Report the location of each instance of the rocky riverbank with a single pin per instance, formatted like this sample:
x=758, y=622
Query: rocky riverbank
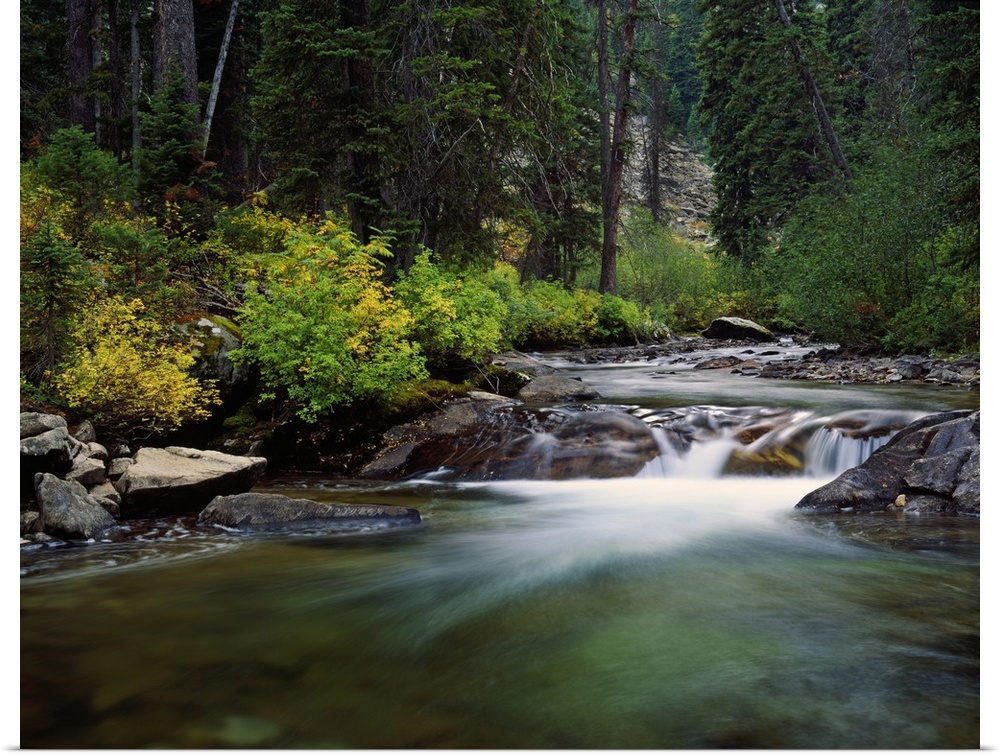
x=818, y=363
x=73, y=489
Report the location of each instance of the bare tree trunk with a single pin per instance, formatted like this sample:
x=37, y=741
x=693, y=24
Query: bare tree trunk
x=612, y=186
x=136, y=63
x=817, y=100
x=173, y=45
x=217, y=78
x=604, y=113
x=117, y=99
x=83, y=47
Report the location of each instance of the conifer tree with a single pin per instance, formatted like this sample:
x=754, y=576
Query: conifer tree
x=763, y=135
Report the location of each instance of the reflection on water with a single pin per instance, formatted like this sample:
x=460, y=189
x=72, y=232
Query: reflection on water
x=626, y=613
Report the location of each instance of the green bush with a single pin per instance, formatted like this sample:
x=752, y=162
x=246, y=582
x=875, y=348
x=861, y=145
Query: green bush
x=55, y=277
x=453, y=316
x=322, y=326
x=90, y=181
x=876, y=265
x=680, y=282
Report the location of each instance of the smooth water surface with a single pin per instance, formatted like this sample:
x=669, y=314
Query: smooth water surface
x=675, y=609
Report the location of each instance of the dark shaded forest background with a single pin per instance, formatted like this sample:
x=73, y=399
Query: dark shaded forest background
x=374, y=194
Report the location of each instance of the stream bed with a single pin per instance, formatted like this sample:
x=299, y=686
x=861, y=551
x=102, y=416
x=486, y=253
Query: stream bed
x=678, y=609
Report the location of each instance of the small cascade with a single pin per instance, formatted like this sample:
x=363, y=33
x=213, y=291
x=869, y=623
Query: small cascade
x=711, y=442
x=830, y=452
x=706, y=459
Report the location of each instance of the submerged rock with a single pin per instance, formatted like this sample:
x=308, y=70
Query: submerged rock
x=257, y=511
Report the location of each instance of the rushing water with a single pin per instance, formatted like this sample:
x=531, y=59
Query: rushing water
x=680, y=608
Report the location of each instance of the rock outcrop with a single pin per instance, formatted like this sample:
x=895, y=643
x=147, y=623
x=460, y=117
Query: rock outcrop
x=929, y=467
x=72, y=489
x=546, y=389
x=175, y=479
x=489, y=437
x=263, y=511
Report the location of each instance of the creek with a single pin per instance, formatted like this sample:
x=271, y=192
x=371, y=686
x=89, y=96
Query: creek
x=680, y=608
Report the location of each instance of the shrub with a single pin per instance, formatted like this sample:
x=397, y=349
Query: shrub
x=126, y=375
x=453, y=316
x=55, y=277
x=877, y=266
x=323, y=328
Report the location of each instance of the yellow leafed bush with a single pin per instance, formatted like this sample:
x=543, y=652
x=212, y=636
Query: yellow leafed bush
x=126, y=376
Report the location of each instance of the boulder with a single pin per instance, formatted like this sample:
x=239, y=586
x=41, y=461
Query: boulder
x=930, y=466
x=718, y=363
x=214, y=339
x=49, y=451
x=495, y=440
x=88, y=471
x=262, y=511
x=66, y=510
x=737, y=328
x=37, y=423
x=555, y=388
x=179, y=480
x=85, y=432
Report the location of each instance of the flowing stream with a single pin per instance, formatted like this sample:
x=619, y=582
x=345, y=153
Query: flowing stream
x=680, y=608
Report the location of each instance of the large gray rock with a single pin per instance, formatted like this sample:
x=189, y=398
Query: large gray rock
x=66, y=510
x=214, y=340
x=49, y=451
x=737, y=328
x=262, y=511
x=556, y=388
x=930, y=466
x=88, y=471
x=179, y=480
x=36, y=423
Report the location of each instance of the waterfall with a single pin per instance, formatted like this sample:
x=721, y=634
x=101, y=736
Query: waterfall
x=709, y=442
x=706, y=459
x=831, y=452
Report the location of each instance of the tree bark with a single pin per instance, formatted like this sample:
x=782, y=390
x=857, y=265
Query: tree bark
x=173, y=45
x=217, y=78
x=115, y=66
x=817, y=100
x=83, y=50
x=136, y=63
x=612, y=183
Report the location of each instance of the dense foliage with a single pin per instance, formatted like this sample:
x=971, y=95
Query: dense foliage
x=393, y=189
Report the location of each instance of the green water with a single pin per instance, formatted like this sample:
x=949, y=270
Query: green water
x=632, y=613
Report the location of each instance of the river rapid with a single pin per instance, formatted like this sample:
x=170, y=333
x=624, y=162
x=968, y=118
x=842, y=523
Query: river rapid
x=678, y=609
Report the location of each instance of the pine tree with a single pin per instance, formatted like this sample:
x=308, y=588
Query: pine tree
x=763, y=134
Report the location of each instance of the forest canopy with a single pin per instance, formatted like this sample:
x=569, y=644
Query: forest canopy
x=374, y=190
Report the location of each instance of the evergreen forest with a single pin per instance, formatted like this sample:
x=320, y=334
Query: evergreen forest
x=374, y=195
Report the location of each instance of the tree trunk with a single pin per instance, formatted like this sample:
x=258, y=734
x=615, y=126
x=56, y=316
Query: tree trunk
x=217, y=78
x=653, y=184
x=604, y=113
x=173, y=45
x=80, y=18
x=611, y=190
x=817, y=100
x=117, y=71
x=136, y=63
